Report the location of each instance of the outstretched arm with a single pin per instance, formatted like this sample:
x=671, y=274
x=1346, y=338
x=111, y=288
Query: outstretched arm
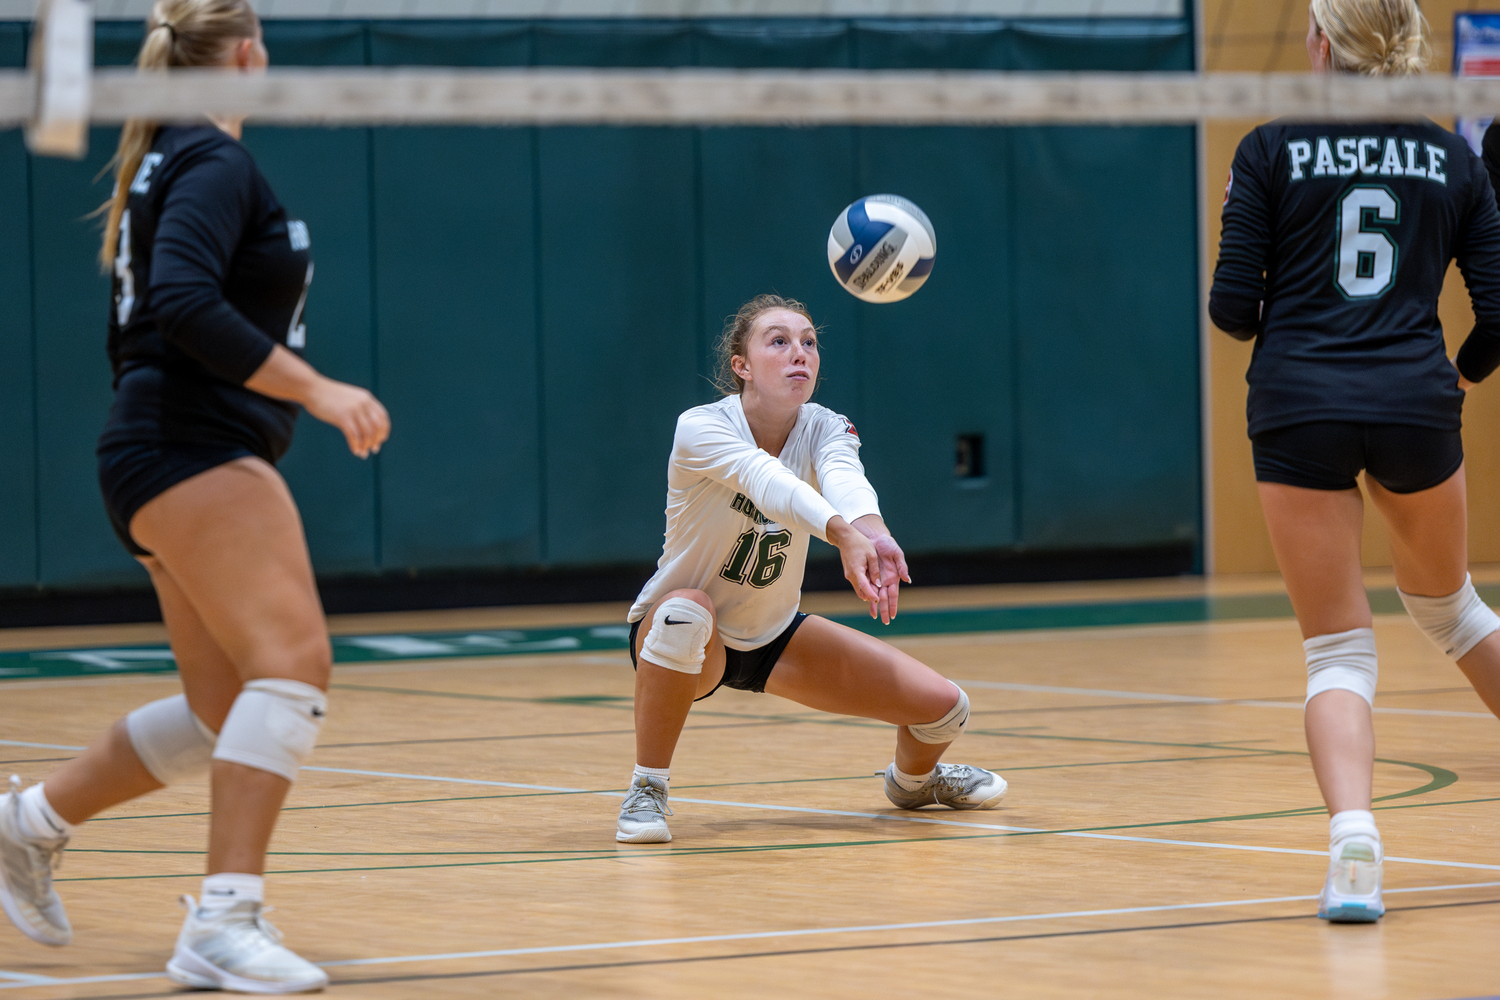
x=893, y=568
x=860, y=559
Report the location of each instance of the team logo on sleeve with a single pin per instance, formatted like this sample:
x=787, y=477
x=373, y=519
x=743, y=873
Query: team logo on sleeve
x=849, y=426
x=1230, y=186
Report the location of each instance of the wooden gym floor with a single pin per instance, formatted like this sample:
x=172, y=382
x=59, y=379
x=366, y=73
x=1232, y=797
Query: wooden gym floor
x=454, y=836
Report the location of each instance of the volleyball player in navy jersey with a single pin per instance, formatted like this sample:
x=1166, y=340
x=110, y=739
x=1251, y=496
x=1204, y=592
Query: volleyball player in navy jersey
x=1335, y=243
x=205, y=333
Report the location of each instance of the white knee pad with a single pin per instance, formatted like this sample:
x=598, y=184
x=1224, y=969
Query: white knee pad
x=1343, y=661
x=679, y=634
x=273, y=726
x=170, y=740
x=950, y=727
x=1457, y=622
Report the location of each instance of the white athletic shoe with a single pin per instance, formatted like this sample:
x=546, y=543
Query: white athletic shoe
x=26, y=868
x=1351, y=893
x=957, y=786
x=643, y=814
x=238, y=950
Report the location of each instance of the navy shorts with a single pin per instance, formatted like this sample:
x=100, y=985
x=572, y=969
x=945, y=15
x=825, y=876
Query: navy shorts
x=744, y=669
x=131, y=475
x=1329, y=454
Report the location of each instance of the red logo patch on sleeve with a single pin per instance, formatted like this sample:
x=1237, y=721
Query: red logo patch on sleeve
x=1230, y=186
x=850, y=427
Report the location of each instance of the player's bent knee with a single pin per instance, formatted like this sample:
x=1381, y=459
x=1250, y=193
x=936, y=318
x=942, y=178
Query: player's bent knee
x=1457, y=623
x=947, y=729
x=678, y=639
x=171, y=742
x=273, y=726
x=1342, y=661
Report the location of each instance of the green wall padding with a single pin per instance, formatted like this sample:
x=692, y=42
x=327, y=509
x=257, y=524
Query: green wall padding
x=620, y=332
x=536, y=306
x=456, y=281
x=940, y=363
x=322, y=176
x=17, y=427
x=1106, y=299
x=76, y=545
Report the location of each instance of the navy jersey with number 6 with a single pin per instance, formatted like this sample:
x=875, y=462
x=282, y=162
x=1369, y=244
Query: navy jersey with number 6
x=209, y=277
x=1336, y=240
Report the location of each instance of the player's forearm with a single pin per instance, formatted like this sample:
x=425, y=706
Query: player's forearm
x=872, y=526
x=283, y=375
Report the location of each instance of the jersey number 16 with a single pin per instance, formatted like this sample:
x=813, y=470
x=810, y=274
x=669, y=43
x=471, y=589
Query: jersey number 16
x=757, y=559
x=1366, y=253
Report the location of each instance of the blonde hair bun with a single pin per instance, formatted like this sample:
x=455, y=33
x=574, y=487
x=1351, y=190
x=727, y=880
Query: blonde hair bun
x=1374, y=37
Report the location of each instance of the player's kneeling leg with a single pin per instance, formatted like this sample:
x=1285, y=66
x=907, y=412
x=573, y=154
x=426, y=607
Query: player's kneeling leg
x=957, y=786
x=172, y=742
x=225, y=943
x=679, y=635
x=1457, y=623
x=678, y=640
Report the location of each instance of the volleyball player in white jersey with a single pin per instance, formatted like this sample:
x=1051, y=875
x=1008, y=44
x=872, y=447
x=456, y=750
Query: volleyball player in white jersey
x=751, y=479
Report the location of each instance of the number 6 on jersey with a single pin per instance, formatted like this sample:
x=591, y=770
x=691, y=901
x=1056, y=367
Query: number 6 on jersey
x=1367, y=254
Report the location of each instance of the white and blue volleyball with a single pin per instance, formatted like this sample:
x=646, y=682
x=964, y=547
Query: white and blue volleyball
x=881, y=248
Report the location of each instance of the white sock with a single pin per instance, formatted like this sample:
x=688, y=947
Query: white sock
x=908, y=782
x=223, y=890
x=664, y=773
x=39, y=820
x=1352, y=825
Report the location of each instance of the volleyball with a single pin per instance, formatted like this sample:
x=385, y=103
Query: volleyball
x=881, y=248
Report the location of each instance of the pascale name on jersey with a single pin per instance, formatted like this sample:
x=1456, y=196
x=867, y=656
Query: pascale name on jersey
x=1366, y=154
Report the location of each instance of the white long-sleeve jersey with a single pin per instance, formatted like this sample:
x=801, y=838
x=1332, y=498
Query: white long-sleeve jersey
x=738, y=520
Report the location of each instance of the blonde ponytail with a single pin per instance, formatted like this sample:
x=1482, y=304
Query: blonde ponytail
x=1374, y=37
x=178, y=33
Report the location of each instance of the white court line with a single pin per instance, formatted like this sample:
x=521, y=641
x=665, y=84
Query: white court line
x=761, y=935
x=929, y=820
x=25, y=979
x=1193, y=699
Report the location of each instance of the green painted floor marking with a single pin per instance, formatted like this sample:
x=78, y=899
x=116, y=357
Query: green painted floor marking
x=153, y=659
x=156, y=659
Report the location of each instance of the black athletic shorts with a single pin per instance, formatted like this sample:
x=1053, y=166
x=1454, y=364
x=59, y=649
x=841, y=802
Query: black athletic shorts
x=745, y=669
x=1329, y=454
x=130, y=475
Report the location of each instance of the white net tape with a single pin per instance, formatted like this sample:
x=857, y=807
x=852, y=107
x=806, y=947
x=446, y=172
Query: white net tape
x=756, y=97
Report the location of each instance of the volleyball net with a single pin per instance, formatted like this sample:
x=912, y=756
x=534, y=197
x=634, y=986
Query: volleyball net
x=61, y=93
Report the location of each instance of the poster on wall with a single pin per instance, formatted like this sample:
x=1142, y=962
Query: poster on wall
x=1476, y=52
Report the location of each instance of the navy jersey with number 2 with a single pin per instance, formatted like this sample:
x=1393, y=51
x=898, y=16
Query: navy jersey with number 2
x=1336, y=240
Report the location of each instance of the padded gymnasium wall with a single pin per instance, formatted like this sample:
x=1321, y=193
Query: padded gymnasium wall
x=536, y=306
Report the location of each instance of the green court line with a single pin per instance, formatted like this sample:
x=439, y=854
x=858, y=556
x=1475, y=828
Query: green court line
x=1441, y=778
